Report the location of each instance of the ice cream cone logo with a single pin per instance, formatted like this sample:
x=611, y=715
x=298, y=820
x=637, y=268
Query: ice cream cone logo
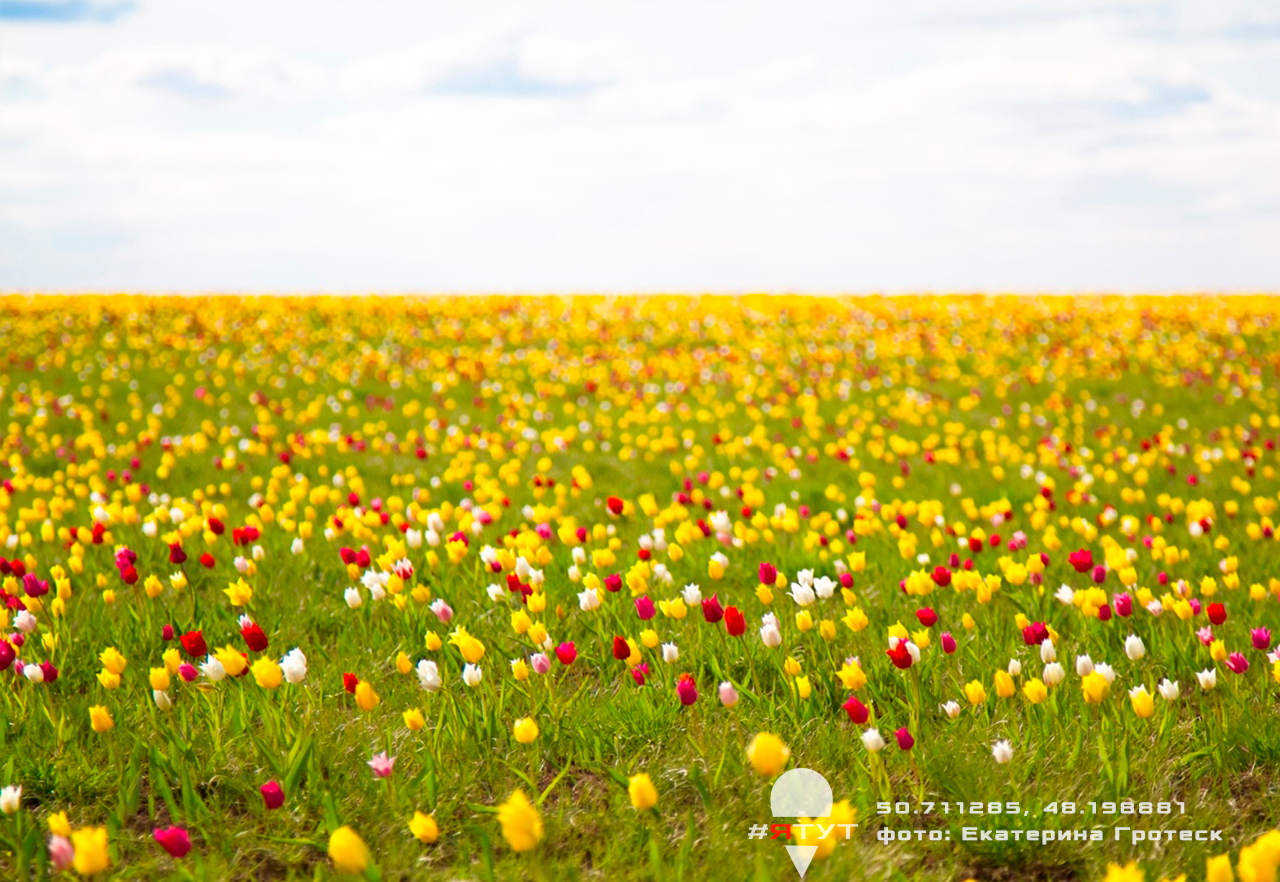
x=801, y=793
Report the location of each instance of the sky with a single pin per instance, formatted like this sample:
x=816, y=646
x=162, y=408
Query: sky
x=175, y=145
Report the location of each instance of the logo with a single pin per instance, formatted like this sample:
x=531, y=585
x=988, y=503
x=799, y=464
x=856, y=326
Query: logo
x=801, y=793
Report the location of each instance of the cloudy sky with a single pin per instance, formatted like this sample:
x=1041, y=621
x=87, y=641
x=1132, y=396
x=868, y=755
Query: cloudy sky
x=610, y=146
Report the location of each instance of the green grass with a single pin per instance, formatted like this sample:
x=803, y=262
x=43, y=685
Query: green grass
x=201, y=764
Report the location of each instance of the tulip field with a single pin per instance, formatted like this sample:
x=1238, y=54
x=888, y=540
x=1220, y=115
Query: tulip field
x=554, y=588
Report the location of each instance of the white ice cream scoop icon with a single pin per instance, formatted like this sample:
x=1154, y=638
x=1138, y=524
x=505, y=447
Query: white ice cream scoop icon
x=801, y=793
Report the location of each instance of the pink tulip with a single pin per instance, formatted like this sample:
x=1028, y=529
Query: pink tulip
x=382, y=765
x=686, y=690
x=567, y=653
x=272, y=795
x=905, y=741
x=173, y=840
x=187, y=672
x=540, y=662
x=644, y=607
x=1261, y=638
x=1237, y=662
x=948, y=642
x=61, y=852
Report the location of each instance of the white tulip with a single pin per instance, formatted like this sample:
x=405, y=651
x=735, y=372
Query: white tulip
x=872, y=741
x=1002, y=751
x=11, y=799
x=770, y=636
x=429, y=675
x=294, y=665
x=1134, y=647
x=213, y=669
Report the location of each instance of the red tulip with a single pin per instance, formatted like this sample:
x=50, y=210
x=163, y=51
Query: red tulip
x=253, y=636
x=711, y=610
x=1217, y=613
x=856, y=710
x=926, y=616
x=566, y=653
x=621, y=651
x=193, y=643
x=1081, y=560
x=734, y=622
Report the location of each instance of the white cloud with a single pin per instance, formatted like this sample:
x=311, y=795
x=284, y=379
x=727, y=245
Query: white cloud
x=657, y=146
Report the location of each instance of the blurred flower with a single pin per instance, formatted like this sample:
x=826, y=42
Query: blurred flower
x=348, y=852
x=642, y=792
x=272, y=795
x=424, y=828
x=382, y=765
x=173, y=840
x=768, y=754
x=521, y=823
x=525, y=730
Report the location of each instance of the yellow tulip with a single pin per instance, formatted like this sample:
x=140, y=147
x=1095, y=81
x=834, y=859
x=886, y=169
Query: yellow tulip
x=768, y=754
x=90, y=844
x=267, y=673
x=643, y=794
x=521, y=823
x=424, y=828
x=975, y=692
x=100, y=719
x=112, y=660
x=525, y=730
x=1095, y=688
x=366, y=698
x=348, y=852
x=1035, y=690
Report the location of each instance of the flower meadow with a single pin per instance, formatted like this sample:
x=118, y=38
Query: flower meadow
x=554, y=588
